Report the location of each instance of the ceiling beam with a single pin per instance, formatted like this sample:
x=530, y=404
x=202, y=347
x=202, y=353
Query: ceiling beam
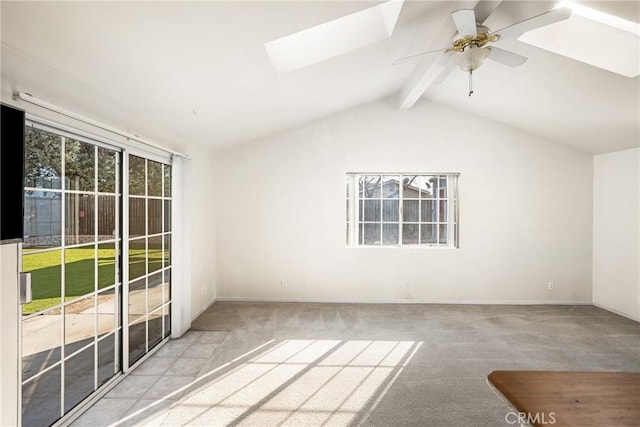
x=485, y=8
x=431, y=71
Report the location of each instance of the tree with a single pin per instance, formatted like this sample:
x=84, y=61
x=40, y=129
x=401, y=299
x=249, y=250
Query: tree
x=43, y=163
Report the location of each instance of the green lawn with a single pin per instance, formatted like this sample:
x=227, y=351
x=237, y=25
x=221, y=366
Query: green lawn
x=46, y=272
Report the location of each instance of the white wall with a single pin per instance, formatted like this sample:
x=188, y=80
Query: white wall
x=203, y=275
x=9, y=361
x=525, y=212
x=616, y=232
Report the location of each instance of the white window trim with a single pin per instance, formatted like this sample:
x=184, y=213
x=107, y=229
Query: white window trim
x=453, y=199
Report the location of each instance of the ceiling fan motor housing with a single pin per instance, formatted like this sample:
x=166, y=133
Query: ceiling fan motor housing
x=483, y=36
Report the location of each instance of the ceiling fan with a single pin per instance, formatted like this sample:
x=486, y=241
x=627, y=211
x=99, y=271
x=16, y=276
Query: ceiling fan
x=471, y=44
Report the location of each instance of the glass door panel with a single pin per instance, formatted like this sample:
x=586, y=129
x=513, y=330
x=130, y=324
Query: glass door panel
x=149, y=265
x=70, y=331
x=41, y=398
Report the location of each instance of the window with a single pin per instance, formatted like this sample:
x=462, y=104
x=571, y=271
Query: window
x=402, y=209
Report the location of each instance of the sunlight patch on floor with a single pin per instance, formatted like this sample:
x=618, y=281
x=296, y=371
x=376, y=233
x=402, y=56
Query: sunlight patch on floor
x=297, y=382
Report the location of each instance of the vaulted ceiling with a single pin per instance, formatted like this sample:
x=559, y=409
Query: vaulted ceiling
x=199, y=71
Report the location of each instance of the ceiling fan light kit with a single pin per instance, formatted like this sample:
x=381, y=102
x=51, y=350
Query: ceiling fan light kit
x=471, y=58
x=470, y=48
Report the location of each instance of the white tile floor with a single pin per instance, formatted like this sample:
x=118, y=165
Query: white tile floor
x=161, y=380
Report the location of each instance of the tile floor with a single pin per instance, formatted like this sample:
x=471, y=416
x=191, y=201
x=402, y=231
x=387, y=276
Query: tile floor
x=159, y=382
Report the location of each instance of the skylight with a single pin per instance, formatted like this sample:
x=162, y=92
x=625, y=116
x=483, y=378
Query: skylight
x=592, y=37
x=334, y=38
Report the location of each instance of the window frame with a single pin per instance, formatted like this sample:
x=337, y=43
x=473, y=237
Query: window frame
x=354, y=221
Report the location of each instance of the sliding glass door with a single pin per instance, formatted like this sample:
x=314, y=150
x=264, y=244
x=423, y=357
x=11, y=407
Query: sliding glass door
x=71, y=329
x=100, y=267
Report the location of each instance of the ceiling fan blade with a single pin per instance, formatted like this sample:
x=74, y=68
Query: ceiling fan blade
x=505, y=57
x=547, y=18
x=465, y=20
x=417, y=55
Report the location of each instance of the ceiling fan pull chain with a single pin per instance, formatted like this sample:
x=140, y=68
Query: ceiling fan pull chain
x=470, y=82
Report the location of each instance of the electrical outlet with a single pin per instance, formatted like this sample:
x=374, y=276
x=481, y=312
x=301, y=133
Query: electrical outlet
x=407, y=290
x=281, y=282
x=551, y=286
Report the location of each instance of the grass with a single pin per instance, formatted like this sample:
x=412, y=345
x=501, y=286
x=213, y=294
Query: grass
x=46, y=272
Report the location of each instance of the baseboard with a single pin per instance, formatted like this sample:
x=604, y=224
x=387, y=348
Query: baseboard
x=618, y=312
x=203, y=309
x=402, y=301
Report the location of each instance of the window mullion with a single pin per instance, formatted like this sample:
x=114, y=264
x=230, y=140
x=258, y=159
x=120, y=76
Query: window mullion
x=437, y=200
x=381, y=210
x=420, y=196
x=400, y=203
x=452, y=196
x=124, y=265
x=354, y=208
x=63, y=267
x=95, y=266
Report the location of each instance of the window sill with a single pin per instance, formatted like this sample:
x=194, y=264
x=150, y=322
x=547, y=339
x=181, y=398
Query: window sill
x=419, y=247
